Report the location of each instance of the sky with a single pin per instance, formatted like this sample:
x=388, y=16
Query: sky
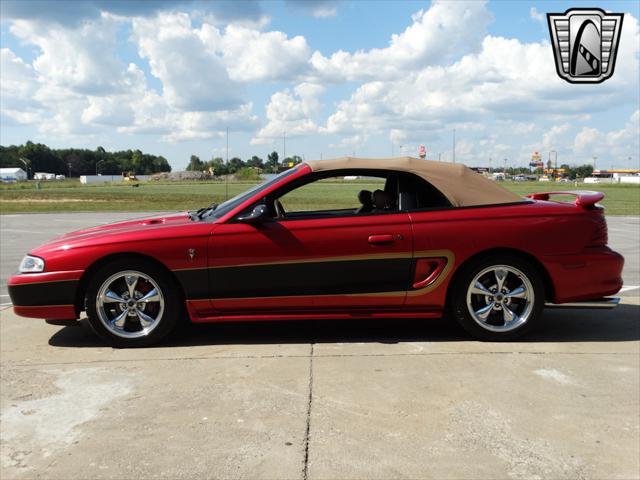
x=321, y=78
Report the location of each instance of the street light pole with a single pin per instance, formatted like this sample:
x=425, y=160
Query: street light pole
x=454, y=145
x=504, y=170
x=594, y=162
x=555, y=164
x=226, y=177
x=98, y=163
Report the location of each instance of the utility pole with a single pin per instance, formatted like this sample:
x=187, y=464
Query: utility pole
x=489, y=165
x=454, y=145
x=594, y=162
x=284, y=146
x=504, y=170
x=98, y=163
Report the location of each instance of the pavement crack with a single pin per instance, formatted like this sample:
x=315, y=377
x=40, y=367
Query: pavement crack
x=307, y=431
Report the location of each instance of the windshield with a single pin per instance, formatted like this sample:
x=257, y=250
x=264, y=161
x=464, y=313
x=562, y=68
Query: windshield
x=228, y=205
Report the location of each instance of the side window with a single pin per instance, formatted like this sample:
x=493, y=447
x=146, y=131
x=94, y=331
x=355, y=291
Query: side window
x=347, y=193
x=417, y=194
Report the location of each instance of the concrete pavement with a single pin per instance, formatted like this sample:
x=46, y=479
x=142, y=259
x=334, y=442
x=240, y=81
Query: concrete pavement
x=384, y=399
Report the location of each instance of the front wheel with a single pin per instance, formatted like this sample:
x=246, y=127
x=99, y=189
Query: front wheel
x=499, y=298
x=132, y=303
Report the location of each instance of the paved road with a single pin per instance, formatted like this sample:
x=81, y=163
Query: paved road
x=20, y=233
x=307, y=400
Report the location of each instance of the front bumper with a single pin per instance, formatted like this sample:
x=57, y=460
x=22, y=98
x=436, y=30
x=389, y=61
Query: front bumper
x=48, y=295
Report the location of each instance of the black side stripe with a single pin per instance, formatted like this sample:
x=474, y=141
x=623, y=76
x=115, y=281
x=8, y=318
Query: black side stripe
x=44, y=294
x=297, y=279
x=195, y=283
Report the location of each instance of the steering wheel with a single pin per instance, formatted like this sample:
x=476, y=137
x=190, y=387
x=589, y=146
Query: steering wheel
x=280, y=213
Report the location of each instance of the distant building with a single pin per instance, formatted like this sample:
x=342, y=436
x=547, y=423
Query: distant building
x=13, y=174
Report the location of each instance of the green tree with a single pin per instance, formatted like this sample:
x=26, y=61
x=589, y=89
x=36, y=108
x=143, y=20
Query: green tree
x=195, y=164
x=255, y=162
x=235, y=164
x=83, y=161
x=291, y=161
x=583, y=171
x=272, y=161
x=217, y=166
x=136, y=162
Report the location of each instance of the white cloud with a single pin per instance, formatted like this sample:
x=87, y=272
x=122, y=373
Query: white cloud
x=619, y=144
x=183, y=58
x=251, y=55
x=551, y=138
x=19, y=81
x=324, y=11
x=315, y=8
x=537, y=16
x=291, y=112
x=80, y=59
x=506, y=81
x=439, y=34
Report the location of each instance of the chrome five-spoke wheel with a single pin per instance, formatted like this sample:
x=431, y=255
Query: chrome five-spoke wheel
x=130, y=304
x=497, y=297
x=500, y=298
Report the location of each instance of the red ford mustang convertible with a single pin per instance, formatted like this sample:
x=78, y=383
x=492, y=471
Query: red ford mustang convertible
x=421, y=239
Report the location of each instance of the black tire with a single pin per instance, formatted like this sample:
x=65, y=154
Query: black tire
x=459, y=290
x=169, y=317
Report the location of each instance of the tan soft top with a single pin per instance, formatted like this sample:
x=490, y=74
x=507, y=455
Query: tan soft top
x=461, y=185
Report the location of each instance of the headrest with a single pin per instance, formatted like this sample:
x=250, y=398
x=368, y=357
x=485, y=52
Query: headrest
x=382, y=199
x=365, y=197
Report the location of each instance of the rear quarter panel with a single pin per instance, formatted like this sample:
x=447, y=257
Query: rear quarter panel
x=540, y=229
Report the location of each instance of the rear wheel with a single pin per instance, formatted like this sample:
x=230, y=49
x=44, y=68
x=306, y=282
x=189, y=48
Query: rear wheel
x=498, y=298
x=132, y=303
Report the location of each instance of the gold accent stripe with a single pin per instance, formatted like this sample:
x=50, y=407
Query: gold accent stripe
x=42, y=306
x=373, y=256
x=40, y=283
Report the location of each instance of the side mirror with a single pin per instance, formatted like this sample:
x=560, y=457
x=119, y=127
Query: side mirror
x=257, y=215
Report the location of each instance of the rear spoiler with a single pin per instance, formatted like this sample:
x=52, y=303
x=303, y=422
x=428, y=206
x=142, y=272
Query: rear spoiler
x=584, y=199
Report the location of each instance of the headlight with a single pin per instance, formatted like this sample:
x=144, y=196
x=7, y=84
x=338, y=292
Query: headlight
x=31, y=264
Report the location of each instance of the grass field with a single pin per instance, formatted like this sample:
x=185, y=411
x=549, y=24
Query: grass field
x=70, y=195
